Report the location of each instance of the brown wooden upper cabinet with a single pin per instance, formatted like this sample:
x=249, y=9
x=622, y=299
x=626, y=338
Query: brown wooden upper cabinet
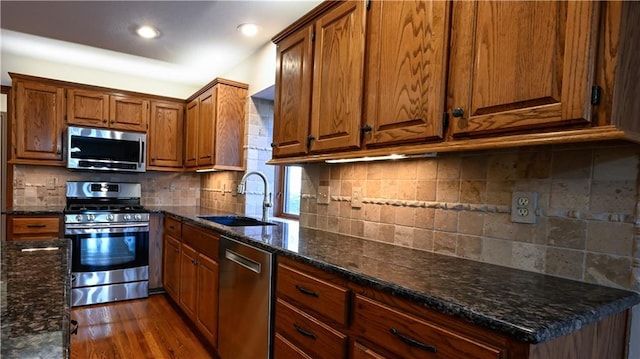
x=214, y=129
x=165, y=135
x=319, y=83
x=523, y=64
x=100, y=109
x=37, y=122
x=405, y=71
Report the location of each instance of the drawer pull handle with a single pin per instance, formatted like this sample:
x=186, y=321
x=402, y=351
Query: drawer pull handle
x=306, y=291
x=305, y=332
x=413, y=342
x=36, y=225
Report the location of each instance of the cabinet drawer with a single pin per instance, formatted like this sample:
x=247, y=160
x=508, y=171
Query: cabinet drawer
x=309, y=334
x=284, y=349
x=313, y=295
x=204, y=241
x=413, y=337
x=34, y=225
x=173, y=226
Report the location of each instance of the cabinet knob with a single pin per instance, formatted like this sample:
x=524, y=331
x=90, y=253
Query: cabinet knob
x=113, y=121
x=153, y=159
x=104, y=120
x=458, y=112
x=366, y=128
x=274, y=145
x=310, y=139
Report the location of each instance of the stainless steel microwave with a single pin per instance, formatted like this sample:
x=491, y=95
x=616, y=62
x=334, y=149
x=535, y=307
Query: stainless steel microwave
x=105, y=150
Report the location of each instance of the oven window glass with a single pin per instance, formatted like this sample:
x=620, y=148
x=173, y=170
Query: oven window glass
x=93, y=148
x=109, y=251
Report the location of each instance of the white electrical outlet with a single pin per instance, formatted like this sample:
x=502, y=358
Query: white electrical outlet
x=523, y=207
x=323, y=195
x=356, y=197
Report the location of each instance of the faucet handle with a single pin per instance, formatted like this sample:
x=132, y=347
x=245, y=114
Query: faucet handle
x=240, y=189
x=268, y=203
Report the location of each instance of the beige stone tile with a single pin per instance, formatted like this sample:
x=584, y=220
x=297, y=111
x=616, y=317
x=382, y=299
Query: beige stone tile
x=449, y=167
x=371, y=230
x=613, y=196
x=423, y=239
x=498, y=225
x=616, y=164
x=333, y=224
x=448, y=191
x=389, y=188
x=531, y=233
x=528, y=256
x=470, y=222
x=474, y=168
x=390, y=171
x=372, y=189
x=403, y=236
x=570, y=194
x=566, y=233
x=333, y=209
x=427, y=169
x=499, y=192
x=426, y=190
x=386, y=233
x=424, y=218
x=347, y=171
x=345, y=209
x=572, y=164
x=473, y=191
x=357, y=228
x=346, y=187
x=534, y=164
x=374, y=171
x=541, y=186
x=344, y=225
x=613, y=271
x=502, y=167
x=497, y=251
x=566, y=263
x=322, y=222
x=335, y=172
x=469, y=246
x=388, y=214
x=406, y=190
x=445, y=220
x=610, y=238
x=405, y=216
x=372, y=212
x=444, y=242
x=407, y=169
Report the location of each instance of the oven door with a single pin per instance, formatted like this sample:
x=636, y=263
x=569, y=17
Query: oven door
x=118, y=246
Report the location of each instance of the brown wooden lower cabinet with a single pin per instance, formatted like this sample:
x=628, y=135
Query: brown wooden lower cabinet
x=20, y=228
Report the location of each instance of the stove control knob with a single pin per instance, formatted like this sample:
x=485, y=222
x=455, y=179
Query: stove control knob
x=127, y=217
x=91, y=217
x=79, y=218
x=138, y=217
x=109, y=217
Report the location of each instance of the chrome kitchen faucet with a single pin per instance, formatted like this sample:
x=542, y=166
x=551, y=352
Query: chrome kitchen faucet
x=266, y=203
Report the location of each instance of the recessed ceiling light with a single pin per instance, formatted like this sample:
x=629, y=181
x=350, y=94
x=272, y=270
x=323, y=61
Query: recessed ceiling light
x=248, y=29
x=147, y=32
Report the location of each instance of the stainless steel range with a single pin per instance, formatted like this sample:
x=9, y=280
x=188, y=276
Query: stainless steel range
x=109, y=230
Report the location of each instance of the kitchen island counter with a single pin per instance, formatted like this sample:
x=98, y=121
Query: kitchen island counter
x=526, y=306
x=35, y=298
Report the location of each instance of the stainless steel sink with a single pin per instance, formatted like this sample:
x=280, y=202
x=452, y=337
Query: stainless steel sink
x=236, y=221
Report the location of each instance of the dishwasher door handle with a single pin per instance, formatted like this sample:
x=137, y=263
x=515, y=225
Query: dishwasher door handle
x=243, y=261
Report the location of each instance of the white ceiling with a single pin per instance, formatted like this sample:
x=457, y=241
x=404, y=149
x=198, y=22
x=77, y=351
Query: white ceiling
x=198, y=40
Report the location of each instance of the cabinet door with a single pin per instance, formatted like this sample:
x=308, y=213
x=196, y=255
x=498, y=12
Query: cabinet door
x=229, y=127
x=338, y=78
x=406, y=70
x=87, y=108
x=191, y=134
x=128, y=113
x=171, y=267
x=165, y=134
x=207, y=317
x=521, y=65
x=205, y=128
x=39, y=121
x=292, y=107
x=188, y=280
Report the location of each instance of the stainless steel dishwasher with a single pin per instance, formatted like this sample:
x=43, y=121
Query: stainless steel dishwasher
x=245, y=301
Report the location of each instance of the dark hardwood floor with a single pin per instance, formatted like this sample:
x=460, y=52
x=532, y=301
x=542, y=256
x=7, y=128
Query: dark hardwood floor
x=143, y=328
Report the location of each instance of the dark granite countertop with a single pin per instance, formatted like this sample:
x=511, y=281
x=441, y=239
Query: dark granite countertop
x=34, y=210
x=526, y=306
x=35, y=291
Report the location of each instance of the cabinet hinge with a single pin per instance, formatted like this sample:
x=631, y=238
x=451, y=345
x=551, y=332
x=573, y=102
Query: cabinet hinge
x=445, y=122
x=596, y=93
x=313, y=35
x=368, y=4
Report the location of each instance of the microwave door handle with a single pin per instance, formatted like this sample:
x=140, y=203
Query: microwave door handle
x=140, y=152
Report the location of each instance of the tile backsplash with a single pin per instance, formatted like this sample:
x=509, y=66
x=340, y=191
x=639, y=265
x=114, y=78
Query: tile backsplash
x=459, y=204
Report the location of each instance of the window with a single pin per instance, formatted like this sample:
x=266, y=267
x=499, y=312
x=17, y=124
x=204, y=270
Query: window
x=288, y=195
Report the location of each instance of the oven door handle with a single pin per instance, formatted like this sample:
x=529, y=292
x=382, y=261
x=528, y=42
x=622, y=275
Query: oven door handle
x=107, y=225
x=112, y=228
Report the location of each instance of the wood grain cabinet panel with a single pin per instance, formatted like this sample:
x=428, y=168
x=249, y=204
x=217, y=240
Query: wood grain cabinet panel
x=207, y=301
x=413, y=337
x=191, y=134
x=165, y=135
x=521, y=65
x=171, y=267
x=33, y=227
x=405, y=71
x=188, y=281
x=38, y=122
x=102, y=109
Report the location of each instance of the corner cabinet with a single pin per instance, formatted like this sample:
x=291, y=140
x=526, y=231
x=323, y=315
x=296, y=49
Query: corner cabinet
x=520, y=65
x=37, y=124
x=319, y=83
x=101, y=109
x=165, y=135
x=214, y=129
